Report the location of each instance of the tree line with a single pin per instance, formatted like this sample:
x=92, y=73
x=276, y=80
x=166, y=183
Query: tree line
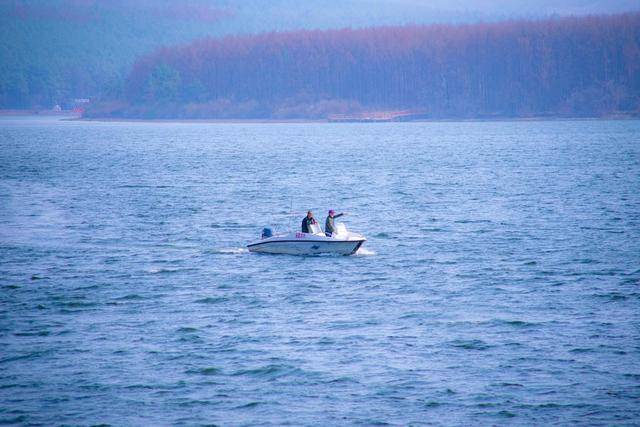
x=52, y=51
x=576, y=66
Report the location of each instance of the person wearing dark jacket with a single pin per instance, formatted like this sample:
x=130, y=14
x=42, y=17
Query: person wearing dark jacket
x=329, y=228
x=307, y=221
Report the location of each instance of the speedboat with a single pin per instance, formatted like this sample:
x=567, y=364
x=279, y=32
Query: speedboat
x=342, y=242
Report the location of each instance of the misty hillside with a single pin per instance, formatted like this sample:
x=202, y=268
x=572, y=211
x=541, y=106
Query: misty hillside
x=564, y=67
x=52, y=51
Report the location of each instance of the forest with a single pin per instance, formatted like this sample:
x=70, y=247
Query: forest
x=52, y=51
x=574, y=67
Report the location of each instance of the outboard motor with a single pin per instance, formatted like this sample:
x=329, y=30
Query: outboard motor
x=266, y=232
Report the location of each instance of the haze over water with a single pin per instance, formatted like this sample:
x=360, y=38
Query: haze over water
x=499, y=283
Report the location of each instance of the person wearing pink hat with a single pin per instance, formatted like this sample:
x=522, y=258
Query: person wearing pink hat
x=329, y=228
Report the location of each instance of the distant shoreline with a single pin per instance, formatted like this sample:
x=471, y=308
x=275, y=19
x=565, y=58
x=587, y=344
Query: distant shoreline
x=221, y=121
x=71, y=116
x=36, y=113
x=324, y=121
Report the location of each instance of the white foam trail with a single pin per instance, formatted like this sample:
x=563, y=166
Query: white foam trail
x=364, y=252
x=233, y=251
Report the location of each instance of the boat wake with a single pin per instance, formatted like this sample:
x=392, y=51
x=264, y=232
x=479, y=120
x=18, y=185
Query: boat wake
x=364, y=252
x=230, y=251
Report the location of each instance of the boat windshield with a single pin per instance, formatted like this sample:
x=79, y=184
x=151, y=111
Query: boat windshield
x=315, y=229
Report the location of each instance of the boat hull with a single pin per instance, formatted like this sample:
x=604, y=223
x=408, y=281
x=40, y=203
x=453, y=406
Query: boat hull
x=307, y=247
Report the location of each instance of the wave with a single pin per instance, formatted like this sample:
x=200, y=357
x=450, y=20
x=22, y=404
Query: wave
x=205, y=371
x=160, y=270
x=473, y=344
x=212, y=300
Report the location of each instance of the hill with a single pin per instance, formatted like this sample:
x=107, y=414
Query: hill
x=52, y=51
x=587, y=66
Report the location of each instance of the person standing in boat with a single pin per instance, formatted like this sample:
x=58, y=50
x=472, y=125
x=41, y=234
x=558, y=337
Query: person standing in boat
x=307, y=221
x=329, y=227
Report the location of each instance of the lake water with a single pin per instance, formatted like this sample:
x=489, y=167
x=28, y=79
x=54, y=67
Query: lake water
x=500, y=283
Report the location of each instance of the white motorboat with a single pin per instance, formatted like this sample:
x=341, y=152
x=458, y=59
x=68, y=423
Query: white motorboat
x=342, y=242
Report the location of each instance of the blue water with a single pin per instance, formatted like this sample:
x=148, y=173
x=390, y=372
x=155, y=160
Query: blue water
x=500, y=284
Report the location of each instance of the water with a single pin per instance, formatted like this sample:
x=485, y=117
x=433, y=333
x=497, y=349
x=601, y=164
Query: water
x=500, y=283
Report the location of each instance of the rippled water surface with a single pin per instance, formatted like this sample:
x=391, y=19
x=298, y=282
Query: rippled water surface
x=500, y=284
